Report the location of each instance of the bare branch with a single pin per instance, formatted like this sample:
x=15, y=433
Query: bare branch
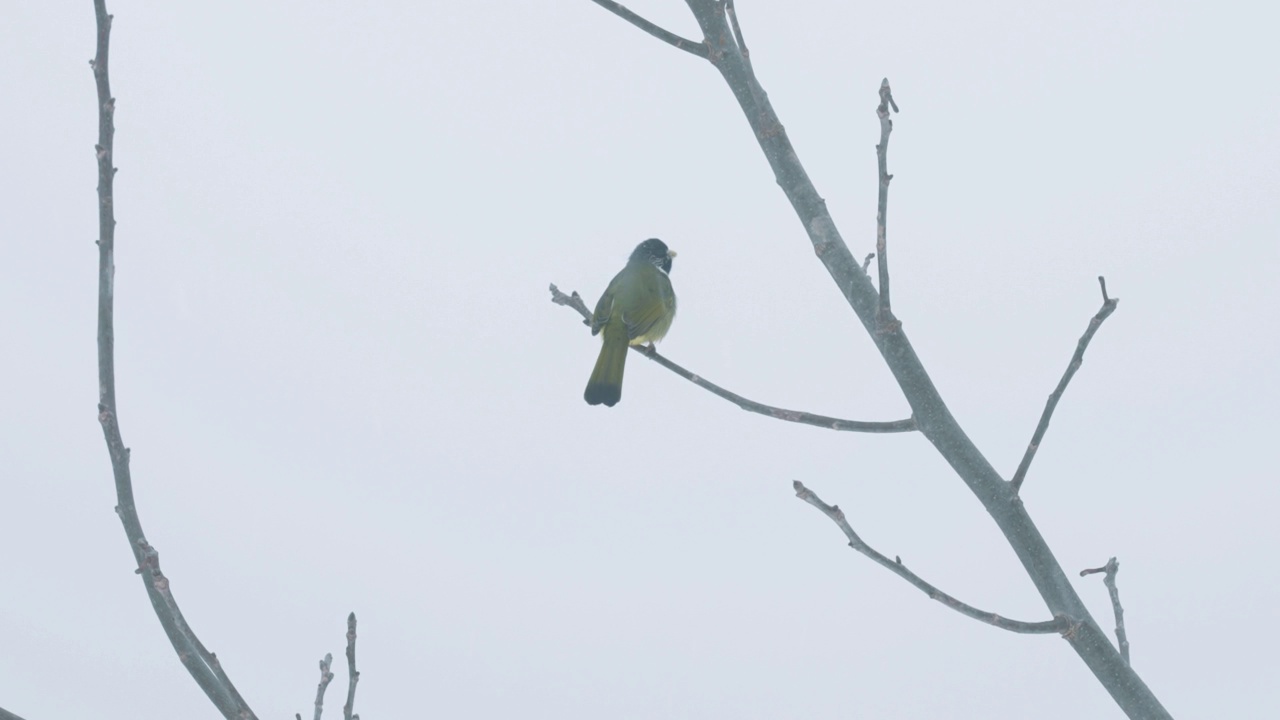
x=325, y=676
x=6, y=715
x=884, y=313
x=353, y=676
x=574, y=301
x=1108, y=307
x=866, y=261
x=186, y=643
x=202, y=664
x=689, y=46
x=732, y=13
x=896, y=426
x=1109, y=579
x=932, y=416
x=1057, y=625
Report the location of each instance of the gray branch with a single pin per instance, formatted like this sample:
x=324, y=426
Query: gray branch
x=732, y=13
x=575, y=301
x=884, y=313
x=353, y=676
x=1108, y=307
x=689, y=46
x=202, y=664
x=1109, y=579
x=931, y=414
x=326, y=675
x=1058, y=625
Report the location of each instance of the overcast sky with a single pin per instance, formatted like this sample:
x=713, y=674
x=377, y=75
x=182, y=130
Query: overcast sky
x=345, y=388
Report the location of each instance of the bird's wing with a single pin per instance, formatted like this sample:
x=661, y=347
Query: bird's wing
x=657, y=307
x=604, y=308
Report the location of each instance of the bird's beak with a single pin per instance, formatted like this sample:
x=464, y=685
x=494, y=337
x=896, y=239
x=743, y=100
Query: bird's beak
x=671, y=253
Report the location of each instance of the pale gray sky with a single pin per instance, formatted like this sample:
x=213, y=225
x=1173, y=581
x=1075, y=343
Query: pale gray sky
x=345, y=388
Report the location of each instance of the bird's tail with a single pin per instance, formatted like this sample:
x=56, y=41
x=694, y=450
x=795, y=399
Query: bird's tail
x=605, y=385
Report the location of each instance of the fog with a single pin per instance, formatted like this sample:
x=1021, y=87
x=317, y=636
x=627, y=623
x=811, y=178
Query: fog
x=345, y=387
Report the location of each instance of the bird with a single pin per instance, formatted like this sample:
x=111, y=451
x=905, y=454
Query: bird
x=636, y=308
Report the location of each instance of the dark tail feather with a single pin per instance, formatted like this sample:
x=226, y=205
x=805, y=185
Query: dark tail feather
x=605, y=385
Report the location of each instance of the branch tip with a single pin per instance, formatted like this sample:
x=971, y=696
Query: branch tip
x=732, y=14
x=1077, y=359
x=886, y=95
x=353, y=675
x=1109, y=579
x=884, y=312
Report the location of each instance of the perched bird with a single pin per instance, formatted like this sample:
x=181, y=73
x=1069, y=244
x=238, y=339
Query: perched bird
x=636, y=308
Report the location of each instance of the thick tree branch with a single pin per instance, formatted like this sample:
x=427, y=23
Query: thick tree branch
x=1108, y=307
x=1109, y=579
x=884, y=312
x=930, y=412
x=1058, y=625
x=689, y=46
x=202, y=664
x=895, y=426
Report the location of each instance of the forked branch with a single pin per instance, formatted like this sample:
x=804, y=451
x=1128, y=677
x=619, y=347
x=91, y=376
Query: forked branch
x=932, y=416
x=326, y=676
x=1108, y=307
x=732, y=13
x=666, y=36
x=1109, y=579
x=1057, y=625
x=575, y=301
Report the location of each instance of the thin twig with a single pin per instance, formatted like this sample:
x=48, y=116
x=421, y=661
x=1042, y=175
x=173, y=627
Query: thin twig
x=1108, y=307
x=732, y=13
x=6, y=715
x=1057, y=625
x=885, y=313
x=326, y=675
x=866, y=262
x=202, y=664
x=353, y=676
x=1109, y=579
x=896, y=426
x=689, y=46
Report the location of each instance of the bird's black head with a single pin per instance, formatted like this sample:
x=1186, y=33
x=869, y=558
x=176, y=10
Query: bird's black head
x=653, y=251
